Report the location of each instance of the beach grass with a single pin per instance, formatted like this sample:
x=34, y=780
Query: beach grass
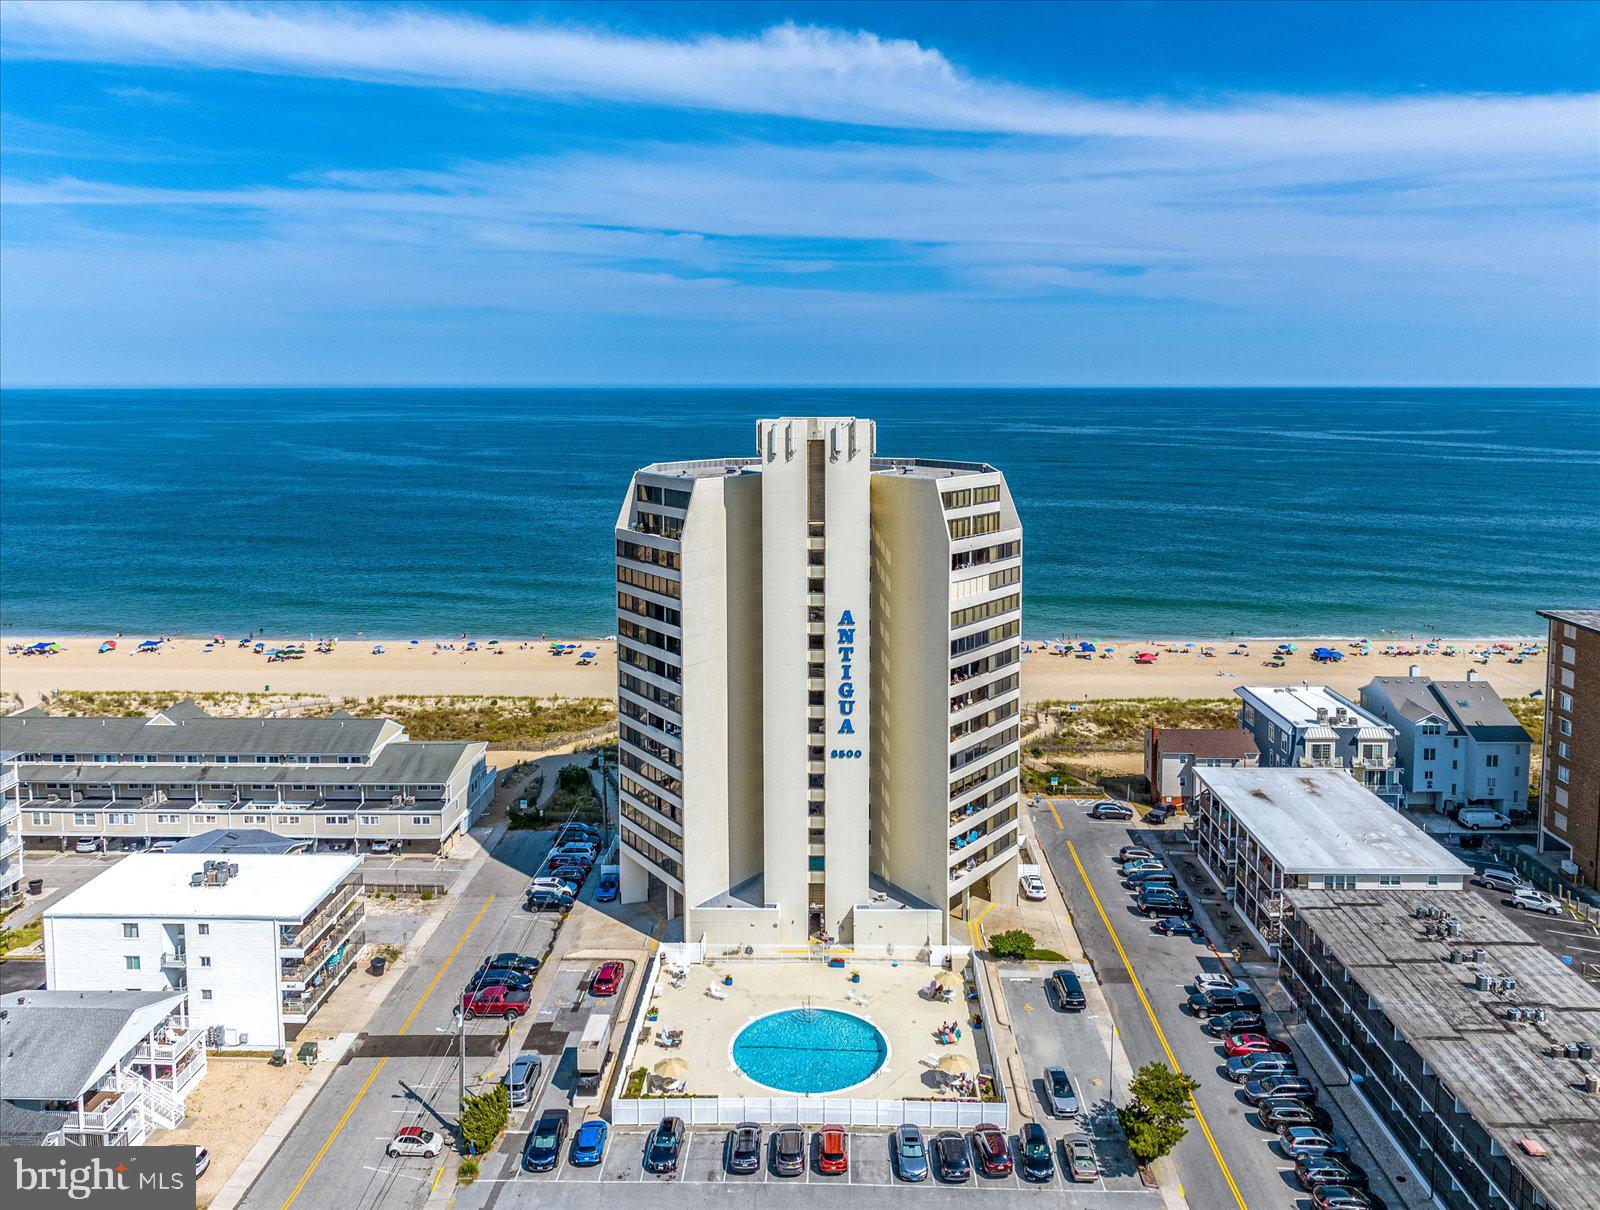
x=1118, y=724
x=504, y=722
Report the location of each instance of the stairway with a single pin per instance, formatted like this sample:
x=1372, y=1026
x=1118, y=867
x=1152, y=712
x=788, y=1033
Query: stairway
x=161, y=1106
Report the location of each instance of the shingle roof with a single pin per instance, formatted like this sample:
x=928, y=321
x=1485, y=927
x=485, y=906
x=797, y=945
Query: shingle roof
x=1222, y=743
x=1473, y=707
x=239, y=840
x=194, y=733
x=58, y=1043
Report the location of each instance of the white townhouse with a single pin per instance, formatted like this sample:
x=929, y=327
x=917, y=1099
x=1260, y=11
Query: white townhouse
x=256, y=941
x=1459, y=746
x=95, y=1068
x=341, y=781
x=818, y=689
x=1314, y=727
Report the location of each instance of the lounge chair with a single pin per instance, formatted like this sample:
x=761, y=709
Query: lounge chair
x=716, y=993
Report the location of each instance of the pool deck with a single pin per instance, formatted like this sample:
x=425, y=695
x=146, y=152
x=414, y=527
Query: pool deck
x=894, y=1004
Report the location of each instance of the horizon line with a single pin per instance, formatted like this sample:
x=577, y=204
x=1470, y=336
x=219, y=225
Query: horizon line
x=807, y=386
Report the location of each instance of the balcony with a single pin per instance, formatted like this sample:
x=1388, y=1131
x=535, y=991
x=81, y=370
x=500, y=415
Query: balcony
x=10, y=809
x=1320, y=762
x=175, y=961
x=297, y=975
x=1372, y=762
x=293, y=943
x=299, y=1006
x=105, y=1109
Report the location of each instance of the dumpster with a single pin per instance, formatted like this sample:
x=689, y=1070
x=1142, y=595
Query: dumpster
x=378, y=964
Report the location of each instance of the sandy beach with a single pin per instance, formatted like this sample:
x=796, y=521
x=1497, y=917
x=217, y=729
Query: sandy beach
x=529, y=669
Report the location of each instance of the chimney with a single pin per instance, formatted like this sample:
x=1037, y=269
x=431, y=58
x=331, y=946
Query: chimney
x=1472, y=675
x=1415, y=670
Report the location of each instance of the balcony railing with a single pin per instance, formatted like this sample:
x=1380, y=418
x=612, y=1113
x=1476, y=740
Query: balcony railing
x=174, y=961
x=314, y=925
x=304, y=1004
x=104, y=1109
x=299, y=972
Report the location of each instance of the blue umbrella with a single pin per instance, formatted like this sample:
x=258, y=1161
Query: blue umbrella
x=587, y=655
x=1085, y=646
x=149, y=643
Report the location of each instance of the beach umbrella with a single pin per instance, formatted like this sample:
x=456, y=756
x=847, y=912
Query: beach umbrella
x=587, y=655
x=1085, y=646
x=957, y=1065
x=671, y=1069
x=149, y=643
x=414, y=642
x=951, y=981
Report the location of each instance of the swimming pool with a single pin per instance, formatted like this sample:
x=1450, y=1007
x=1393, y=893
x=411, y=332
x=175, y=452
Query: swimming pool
x=809, y=1050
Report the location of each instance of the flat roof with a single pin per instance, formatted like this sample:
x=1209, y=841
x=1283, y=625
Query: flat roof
x=1297, y=705
x=1499, y=1070
x=1589, y=619
x=1315, y=821
x=268, y=886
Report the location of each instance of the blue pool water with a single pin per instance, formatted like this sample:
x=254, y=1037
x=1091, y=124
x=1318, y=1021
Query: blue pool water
x=809, y=1050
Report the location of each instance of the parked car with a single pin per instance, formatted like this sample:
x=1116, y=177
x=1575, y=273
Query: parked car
x=1033, y=1146
x=1178, y=926
x=1498, y=879
x=1032, y=887
x=1159, y=814
x=1307, y=1140
x=743, y=1149
x=1314, y=1171
x=86, y=844
x=1142, y=863
x=950, y=1157
x=993, y=1152
x=1237, y=1022
x=1343, y=1197
x=575, y=874
x=1276, y=1112
x=498, y=978
x=574, y=850
x=384, y=846
x=1530, y=900
x=789, y=1152
x=1106, y=809
x=1082, y=1162
x=589, y=1144
x=163, y=846
x=414, y=1140
x=495, y=1001
x=202, y=1161
x=909, y=1155
x=607, y=978
x=1300, y=1089
x=665, y=1145
x=544, y=900
x=1211, y=1004
x=1151, y=878
x=543, y=1150
x=562, y=886
x=1069, y=991
x=1134, y=852
x=521, y=1078
x=608, y=888
x=1253, y=1044
x=833, y=1151
x=1062, y=1096
x=527, y=964
x=1165, y=906
x=1212, y=982
x=1476, y=818
x=1244, y=1068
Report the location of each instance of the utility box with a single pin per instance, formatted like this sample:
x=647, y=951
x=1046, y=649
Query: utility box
x=592, y=1051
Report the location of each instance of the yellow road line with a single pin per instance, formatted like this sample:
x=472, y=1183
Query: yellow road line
x=1172, y=1059
x=972, y=926
x=1054, y=813
x=362, y=1092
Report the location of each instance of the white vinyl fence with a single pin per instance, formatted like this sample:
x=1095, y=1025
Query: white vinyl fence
x=846, y=1111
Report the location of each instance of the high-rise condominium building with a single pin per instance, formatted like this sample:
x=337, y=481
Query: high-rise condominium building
x=1570, y=786
x=818, y=688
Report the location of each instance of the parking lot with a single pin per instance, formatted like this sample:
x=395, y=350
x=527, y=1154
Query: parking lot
x=1573, y=941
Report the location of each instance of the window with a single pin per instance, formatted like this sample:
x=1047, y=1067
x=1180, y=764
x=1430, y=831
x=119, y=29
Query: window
x=647, y=493
x=1338, y=882
x=370, y=821
x=338, y=819
x=1491, y=762
x=968, y=496
x=1430, y=754
x=205, y=960
x=205, y=930
x=205, y=993
x=1388, y=880
x=1433, y=880
x=989, y=609
x=973, y=526
x=130, y=930
x=131, y=962
x=83, y=819
x=39, y=818
x=816, y=862
x=420, y=821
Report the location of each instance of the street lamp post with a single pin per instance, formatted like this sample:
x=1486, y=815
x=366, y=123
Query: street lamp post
x=460, y=1020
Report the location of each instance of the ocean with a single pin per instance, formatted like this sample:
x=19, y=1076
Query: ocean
x=1151, y=512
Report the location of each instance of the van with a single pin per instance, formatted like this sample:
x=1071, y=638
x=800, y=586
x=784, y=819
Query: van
x=1069, y=991
x=521, y=1079
x=1473, y=818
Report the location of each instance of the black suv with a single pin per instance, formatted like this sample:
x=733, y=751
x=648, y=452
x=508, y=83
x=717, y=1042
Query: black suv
x=666, y=1144
x=544, y=1143
x=1211, y=1004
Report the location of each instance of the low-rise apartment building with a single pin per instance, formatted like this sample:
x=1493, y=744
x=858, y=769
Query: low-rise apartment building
x=341, y=781
x=1569, y=809
x=1263, y=832
x=1458, y=746
x=1473, y=1043
x=1314, y=727
x=96, y=1068
x=257, y=942
x=1171, y=753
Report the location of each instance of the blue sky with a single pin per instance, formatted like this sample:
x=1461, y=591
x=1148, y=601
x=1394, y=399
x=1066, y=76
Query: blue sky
x=1142, y=193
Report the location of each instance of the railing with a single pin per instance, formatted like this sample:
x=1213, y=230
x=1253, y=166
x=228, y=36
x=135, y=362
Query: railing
x=298, y=972
x=175, y=961
x=305, y=1005
x=116, y=1105
x=299, y=938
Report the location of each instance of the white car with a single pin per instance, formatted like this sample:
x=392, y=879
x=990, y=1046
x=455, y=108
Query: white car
x=202, y=1161
x=86, y=844
x=1032, y=887
x=1530, y=900
x=414, y=1140
x=1218, y=983
x=383, y=846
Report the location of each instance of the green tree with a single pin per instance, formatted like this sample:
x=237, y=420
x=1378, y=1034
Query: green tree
x=483, y=1117
x=1014, y=943
x=1159, y=1103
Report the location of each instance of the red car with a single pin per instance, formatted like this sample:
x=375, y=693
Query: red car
x=607, y=978
x=1253, y=1044
x=833, y=1150
x=989, y=1145
x=495, y=1001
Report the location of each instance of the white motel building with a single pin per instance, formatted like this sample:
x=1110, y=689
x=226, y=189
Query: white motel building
x=818, y=689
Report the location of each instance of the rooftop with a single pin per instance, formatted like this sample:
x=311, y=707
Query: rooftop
x=1500, y=1071
x=1223, y=743
x=1307, y=707
x=1588, y=619
x=239, y=840
x=1323, y=821
x=930, y=468
x=1472, y=706
x=102, y=1027
x=186, y=730
x=267, y=887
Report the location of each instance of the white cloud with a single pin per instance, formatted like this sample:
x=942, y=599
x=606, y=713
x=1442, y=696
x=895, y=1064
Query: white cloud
x=821, y=74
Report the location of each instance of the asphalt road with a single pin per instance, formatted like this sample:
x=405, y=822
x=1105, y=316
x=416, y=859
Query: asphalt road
x=1224, y=1162
x=335, y=1157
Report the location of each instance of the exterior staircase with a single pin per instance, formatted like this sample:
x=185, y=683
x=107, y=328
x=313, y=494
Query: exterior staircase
x=161, y=1107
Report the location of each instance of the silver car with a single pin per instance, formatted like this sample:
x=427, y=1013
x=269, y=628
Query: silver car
x=1062, y=1096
